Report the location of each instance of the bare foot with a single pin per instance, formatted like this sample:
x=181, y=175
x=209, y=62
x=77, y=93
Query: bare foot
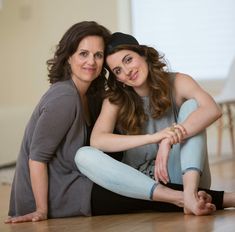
x=198, y=204
x=202, y=195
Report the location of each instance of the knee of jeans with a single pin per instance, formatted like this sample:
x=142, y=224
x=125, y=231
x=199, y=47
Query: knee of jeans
x=83, y=155
x=186, y=108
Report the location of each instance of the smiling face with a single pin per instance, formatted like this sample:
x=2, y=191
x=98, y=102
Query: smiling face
x=86, y=63
x=131, y=69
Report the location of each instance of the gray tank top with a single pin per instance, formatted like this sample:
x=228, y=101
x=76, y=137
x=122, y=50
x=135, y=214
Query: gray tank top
x=143, y=157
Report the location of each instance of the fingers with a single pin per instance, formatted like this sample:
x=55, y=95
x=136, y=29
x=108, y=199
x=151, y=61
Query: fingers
x=177, y=132
x=8, y=220
x=161, y=173
x=32, y=217
x=25, y=218
x=180, y=127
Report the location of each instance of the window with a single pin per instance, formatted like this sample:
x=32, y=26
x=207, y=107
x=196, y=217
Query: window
x=196, y=37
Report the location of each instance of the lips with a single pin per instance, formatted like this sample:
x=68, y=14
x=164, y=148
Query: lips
x=90, y=69
x=134, y=76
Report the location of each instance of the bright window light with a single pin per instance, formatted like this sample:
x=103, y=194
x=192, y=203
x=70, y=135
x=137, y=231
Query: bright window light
x=196, y=37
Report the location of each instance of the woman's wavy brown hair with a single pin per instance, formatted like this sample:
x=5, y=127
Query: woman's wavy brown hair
x=131, y=114
x=58, y=67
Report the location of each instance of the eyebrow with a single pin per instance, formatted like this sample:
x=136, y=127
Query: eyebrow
x=82, y=49
x=85, y=50
x=125, y=57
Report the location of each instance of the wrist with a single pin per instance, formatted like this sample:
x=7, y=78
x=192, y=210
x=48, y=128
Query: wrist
x=150, y=138
x=42, y=210
x=166, y=141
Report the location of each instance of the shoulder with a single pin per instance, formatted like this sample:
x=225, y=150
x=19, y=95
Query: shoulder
x=108, y=104
x=184, y=81
x=176, y=77
x=185, y=87
x=63, y=88
x=61, y=94
x=109, y=108
x=182, y=76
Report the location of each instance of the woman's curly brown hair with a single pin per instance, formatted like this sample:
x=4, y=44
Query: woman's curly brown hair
x=58, y=67
x=131, y=115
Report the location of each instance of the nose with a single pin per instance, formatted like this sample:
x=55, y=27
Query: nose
x=127, y=70
x=91, y=59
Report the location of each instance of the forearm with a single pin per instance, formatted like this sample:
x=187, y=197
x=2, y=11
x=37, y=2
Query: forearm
x=110, y=142
x=39, y=182
x=196, y=117
x=200, y=119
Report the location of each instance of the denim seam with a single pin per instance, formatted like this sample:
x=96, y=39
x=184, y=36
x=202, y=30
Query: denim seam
x=192, y=168
x=152, y=190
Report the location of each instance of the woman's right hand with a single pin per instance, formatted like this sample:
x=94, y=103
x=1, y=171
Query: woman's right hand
x=31, y=217
x=175, y=133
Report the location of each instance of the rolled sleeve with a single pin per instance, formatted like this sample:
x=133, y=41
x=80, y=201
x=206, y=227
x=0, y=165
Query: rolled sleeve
x=55, y=119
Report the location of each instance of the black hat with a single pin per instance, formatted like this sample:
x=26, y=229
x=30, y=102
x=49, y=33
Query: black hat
x=119, y=38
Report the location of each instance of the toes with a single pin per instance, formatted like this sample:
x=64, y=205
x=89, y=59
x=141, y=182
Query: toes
x=204, y=196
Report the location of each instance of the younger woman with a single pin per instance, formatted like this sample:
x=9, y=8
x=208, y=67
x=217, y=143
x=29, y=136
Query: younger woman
x=162, y=118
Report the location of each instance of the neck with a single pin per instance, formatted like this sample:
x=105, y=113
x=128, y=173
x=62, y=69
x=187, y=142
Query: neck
x=142, y=91
x=82, y=87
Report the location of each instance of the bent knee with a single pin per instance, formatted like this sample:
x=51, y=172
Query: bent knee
x=86, y=156
x=189, y=105
x=83, y=154
x=187, y=108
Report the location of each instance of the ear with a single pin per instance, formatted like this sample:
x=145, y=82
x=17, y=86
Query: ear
x=69, y=60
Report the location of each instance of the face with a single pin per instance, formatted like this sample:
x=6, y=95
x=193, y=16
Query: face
x=129, y=68
x=86, y=63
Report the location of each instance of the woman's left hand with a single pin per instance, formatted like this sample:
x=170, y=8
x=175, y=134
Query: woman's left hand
x=160, y=170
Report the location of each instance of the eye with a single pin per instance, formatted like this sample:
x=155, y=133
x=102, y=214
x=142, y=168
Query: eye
x=83, y=54
x=128, y=59
x=99, y=55
x=117, y=71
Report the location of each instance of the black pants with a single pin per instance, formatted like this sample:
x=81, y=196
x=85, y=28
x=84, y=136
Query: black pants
x=105, y=202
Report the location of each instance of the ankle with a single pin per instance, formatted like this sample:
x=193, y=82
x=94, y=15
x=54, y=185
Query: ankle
x=229, y=200
x=165, y=194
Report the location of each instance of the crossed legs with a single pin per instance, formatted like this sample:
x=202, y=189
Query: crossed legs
x=127, y=181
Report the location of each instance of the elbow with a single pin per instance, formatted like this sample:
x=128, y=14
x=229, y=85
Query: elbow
x=94, y=142
x=216, y=114
x=219, y=115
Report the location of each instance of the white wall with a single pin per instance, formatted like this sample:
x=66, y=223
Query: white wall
x=29, y=30
x=197, y=37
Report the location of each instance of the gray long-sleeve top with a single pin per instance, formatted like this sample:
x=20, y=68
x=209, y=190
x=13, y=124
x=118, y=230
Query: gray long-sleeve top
x=54, y=133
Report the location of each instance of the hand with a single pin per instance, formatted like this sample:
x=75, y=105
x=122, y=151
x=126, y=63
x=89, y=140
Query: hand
x=179, y=131
x=160, y=170
x=175, y=133
x=31, y=217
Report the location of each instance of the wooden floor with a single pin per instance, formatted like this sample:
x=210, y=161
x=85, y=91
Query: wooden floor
x=223, y=178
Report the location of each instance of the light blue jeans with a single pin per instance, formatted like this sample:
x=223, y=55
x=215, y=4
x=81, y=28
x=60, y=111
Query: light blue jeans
x=113, y=175
x=191, y=154
x=127, y=181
